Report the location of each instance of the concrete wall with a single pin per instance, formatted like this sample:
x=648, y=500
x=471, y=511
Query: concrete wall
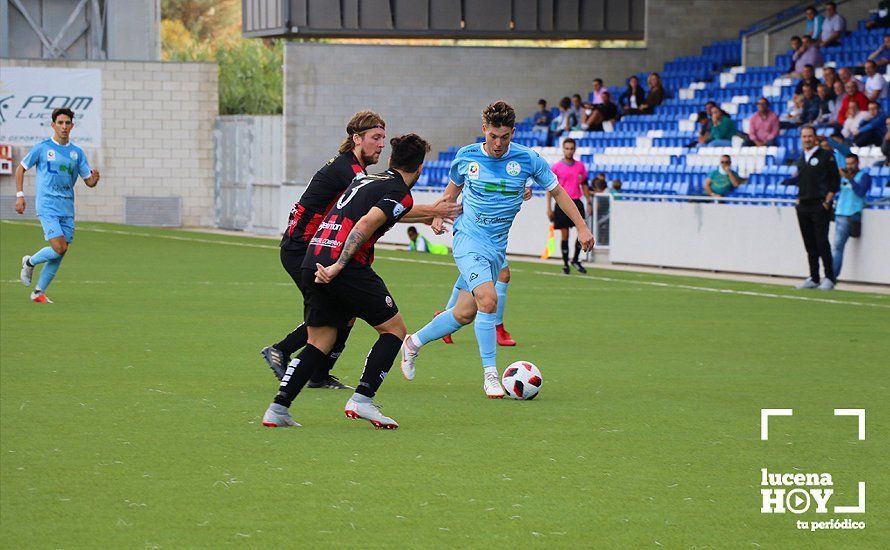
x=157, y=134
x=744, y=239
x=440, y=91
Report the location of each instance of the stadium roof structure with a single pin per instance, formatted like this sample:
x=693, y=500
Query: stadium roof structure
x=470, y=19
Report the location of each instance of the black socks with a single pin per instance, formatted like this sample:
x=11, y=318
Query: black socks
x=378, y=364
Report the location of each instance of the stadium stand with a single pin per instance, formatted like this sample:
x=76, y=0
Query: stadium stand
x=650, y=154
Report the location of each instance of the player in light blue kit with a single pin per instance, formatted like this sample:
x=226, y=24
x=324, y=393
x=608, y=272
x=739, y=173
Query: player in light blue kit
x=492, y=176
x=59, y=163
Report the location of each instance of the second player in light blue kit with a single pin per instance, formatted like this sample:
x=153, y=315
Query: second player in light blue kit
x=59, y=163
x=492, y=176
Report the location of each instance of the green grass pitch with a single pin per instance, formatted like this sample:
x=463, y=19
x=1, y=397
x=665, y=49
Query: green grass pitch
x=130, y=409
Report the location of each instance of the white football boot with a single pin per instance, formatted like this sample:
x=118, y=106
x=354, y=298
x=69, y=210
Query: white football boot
x=409, y=356
x=491, y=383
x=369, y=411
x=27, y=271
x=277, y=416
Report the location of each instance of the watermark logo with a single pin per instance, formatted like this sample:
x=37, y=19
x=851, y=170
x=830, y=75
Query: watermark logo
x=799, y=492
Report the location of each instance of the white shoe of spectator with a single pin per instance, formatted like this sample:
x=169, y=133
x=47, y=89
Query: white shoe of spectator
x=808, y=283
x=826, y=284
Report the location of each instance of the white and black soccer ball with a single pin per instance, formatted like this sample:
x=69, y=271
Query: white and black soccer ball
x=522, y=380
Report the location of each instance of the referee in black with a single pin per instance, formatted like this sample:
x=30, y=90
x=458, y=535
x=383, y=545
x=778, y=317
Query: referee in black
x=817, y=180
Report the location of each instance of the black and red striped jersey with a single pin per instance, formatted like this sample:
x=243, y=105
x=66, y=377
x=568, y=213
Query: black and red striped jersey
x=323, y=190
x=387, y=191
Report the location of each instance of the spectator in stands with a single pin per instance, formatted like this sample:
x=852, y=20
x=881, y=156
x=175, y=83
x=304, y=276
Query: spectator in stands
x=875, y=85
x=563, y=123
x=814, y=23
x=655, y=95
x=835, y=104
x=606, y=112
x=542, y=116
x=854, y=118
x=824, y=118
x=704, y=124
x=817, y=180
x=541, y=120
x=577, y=108
x=587, y=116
x=881, y=19
x=833, y=27
x=722, y=180
x=598, y=183
x=615, y=189
x=796, y=44
x=885, y=145
x=633, y=96
x=848, y=213
x=846, y=75
x=722, y=129
x=598, y=91
x=763, y=126
x=871, y=130
x=853, y=95
x=808, y=76
x=808, y=54
x=829, y=77
x=881, y=56
x=804, y=111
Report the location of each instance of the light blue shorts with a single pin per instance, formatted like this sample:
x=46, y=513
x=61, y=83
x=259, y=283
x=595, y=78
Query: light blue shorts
x=477, y=264
x=57, y=226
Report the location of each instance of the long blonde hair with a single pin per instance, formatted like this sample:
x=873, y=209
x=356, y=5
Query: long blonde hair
x=360, y=123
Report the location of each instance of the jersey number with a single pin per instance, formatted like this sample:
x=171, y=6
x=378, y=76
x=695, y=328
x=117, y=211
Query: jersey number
x=344, y=200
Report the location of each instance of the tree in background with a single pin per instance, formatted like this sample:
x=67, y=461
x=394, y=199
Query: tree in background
x=250, y=76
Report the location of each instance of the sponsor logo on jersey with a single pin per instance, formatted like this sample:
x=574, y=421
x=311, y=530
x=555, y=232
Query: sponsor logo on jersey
x=327, y=243
x=473, y=171
x=513, y=168
x=331, y=226
x=389, y=301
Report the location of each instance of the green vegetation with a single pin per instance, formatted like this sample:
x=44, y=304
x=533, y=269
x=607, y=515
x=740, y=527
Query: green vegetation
x=251, y=80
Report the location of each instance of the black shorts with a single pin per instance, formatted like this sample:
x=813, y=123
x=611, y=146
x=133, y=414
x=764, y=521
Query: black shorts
x=354, y=292
x=561, y=220
x=292, y=261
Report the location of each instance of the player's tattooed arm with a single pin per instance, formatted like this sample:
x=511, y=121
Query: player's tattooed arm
x=354, y=241
x=370, y=222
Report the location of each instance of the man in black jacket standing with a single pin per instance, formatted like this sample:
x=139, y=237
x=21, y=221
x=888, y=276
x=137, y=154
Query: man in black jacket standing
x=818, y=180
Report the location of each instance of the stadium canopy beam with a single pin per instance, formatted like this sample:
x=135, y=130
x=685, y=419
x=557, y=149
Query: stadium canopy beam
x=56, y=48
x=446, y=19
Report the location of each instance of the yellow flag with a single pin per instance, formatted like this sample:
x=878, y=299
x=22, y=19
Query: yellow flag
x=551, y=244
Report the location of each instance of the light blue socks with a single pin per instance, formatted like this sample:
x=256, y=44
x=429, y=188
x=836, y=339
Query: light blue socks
x=52, y=259
x=501, y=290
x=442, y=325
x=486, y=338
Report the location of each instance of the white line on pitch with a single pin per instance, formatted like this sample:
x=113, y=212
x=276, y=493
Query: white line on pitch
x=520, y=270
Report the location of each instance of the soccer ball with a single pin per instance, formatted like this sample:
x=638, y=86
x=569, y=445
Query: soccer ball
x=522, y=380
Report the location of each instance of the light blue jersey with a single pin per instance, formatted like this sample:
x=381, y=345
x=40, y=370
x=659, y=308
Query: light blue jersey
x=493, y=188
x=57, y=169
